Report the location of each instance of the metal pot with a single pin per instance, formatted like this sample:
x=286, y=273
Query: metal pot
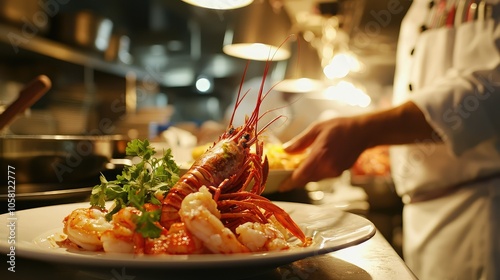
x=83, y=29
x=58, y=158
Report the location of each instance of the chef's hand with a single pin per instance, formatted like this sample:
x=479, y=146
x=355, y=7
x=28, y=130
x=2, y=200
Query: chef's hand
x=334, y=146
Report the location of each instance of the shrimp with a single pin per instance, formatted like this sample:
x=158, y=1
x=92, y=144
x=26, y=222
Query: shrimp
x=85, y=226
x=122, y=237
x=178, y=240
x=201, y=217
x=261, y=237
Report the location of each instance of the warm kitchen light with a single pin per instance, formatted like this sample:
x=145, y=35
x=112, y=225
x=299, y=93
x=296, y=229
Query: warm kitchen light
x=258, y=32
x=299, y=85
x=256, y=51
x=346, y=92
x=303, y=70
x=219, y=4
x=341, y=65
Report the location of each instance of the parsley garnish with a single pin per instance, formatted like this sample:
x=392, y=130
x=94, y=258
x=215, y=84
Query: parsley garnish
x=144, y=182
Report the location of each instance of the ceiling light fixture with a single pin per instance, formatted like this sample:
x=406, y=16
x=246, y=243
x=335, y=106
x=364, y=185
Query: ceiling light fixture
x=346, y=92
x=258, y=32
x=219, y=4
x=204, y=85
x=341, y=65
x=303, y=71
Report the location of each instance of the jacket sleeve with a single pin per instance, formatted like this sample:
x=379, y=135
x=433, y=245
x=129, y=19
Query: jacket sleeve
x=463, y=106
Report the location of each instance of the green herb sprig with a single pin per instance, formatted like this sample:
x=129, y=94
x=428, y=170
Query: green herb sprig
x=140, y=183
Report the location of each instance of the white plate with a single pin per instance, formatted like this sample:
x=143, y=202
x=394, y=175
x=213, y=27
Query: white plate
x=35, y=230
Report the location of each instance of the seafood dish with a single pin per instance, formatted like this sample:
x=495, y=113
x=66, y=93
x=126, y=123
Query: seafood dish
x=215, y=207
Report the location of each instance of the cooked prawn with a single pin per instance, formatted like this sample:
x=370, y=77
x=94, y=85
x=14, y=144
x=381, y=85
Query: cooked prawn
x=178, y=240
x=123, y=238
x=201, y=217
x=85, y=226
x=261, y=237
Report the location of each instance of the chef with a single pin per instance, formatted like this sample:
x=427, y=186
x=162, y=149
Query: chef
x=445, y=134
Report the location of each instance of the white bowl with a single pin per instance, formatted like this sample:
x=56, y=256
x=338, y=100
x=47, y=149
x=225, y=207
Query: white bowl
x=275, y=178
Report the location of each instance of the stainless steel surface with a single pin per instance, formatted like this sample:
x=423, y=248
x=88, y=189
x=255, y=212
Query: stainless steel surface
x=50, y=192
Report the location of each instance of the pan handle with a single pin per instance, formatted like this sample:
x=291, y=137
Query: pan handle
x=31, y=93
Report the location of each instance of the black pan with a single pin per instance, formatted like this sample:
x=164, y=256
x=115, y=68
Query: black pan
x=58, y=158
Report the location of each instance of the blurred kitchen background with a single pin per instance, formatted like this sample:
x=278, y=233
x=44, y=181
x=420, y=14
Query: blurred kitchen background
x=135, y=68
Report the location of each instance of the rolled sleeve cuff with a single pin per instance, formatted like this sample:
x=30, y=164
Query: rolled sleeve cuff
x=457, y=114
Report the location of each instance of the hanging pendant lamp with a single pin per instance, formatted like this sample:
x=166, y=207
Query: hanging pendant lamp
x=219, y=4
x=258, y=31
x=303, y=70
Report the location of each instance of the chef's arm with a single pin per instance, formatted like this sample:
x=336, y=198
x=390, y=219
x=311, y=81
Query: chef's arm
x=463, y=108
x=404, y=124
x=335, y=144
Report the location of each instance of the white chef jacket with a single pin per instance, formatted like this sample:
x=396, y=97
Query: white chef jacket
x=452, y=74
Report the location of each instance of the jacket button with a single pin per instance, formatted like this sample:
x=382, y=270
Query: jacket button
x=412, y=51
x=423, y=27
x=431, y=4
x=410, y=87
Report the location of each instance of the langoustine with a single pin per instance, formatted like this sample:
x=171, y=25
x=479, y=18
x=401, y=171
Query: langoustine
x=227, y=169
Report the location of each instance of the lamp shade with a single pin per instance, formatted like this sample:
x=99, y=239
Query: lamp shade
x=303, y=70
x=258, y=32
x=219, y=4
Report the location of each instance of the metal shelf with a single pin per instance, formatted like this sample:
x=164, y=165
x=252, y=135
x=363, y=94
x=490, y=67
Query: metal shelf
x=16, y=38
